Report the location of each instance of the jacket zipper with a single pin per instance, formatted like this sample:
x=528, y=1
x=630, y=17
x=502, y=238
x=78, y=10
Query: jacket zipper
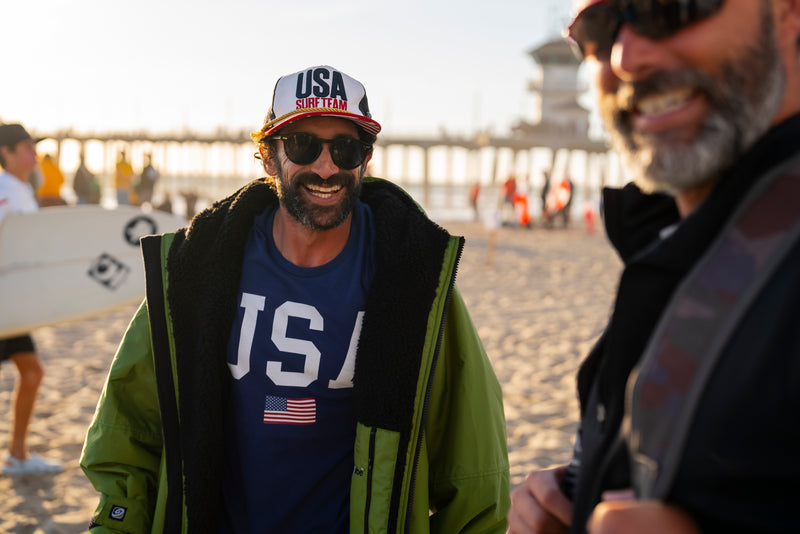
x=370, y=461
x=434, y=361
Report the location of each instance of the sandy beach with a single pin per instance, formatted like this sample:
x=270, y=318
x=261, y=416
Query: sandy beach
x=538, y=297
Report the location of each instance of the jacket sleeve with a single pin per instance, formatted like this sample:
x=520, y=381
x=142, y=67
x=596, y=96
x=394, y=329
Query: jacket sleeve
x=122, y=452
x=465, y=434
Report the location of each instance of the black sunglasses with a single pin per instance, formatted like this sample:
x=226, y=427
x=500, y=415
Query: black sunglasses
x=595, y=29
x=304, y=148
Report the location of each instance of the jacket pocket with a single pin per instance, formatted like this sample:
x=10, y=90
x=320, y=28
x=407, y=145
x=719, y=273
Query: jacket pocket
x=375, y=458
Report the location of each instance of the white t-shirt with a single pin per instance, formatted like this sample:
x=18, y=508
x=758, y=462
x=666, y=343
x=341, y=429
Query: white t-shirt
x=15, y=196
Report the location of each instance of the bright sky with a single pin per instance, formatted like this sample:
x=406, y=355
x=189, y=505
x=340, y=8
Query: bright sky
x=163, y=65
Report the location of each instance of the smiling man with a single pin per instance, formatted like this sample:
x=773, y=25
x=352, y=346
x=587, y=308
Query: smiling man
x=304, y=361
x=688, y=398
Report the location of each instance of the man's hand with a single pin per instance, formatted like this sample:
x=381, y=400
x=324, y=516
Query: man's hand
x=538, y=506
x=615, y=516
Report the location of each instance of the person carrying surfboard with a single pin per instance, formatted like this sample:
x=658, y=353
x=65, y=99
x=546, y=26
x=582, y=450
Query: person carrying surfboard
x=18, y=161
x=304, y=361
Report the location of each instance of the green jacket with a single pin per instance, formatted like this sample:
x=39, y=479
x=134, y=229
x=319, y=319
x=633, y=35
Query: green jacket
x=430, y=447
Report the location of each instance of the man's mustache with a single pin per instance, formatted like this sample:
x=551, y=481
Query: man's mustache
x=341, y=179
x=629, y=94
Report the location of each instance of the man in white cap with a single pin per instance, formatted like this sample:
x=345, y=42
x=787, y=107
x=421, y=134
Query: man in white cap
x=18, y=161
x=689, y=399
x=304, y=361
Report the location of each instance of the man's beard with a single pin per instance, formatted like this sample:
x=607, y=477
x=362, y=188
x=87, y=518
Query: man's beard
x=292, y=197
x=742, y=106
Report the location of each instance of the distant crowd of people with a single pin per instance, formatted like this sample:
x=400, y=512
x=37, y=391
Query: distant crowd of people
x=514, y=207
x=48, y=181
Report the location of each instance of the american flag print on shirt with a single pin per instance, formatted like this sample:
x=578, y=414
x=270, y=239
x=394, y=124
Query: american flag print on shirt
x=283, y=411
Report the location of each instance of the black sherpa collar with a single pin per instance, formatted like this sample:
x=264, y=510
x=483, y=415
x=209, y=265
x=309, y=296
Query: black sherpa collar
x=204, y=267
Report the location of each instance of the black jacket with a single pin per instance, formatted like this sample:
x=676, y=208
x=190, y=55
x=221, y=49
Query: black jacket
x=741, y=468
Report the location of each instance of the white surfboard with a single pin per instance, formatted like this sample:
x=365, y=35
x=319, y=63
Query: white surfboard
x=70, y=262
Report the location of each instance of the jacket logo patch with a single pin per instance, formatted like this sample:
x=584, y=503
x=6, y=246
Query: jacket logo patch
x=118, y=513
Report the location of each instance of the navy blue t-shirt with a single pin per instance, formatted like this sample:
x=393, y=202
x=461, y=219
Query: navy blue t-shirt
x=290, y=425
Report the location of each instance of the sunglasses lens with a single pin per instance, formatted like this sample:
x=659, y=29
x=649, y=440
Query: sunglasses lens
x=347, y=153
x=671, y=17
x=302, y=148
x=595, y=29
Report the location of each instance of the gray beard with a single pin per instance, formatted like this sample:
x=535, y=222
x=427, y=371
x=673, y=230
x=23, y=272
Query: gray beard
x=743, y=105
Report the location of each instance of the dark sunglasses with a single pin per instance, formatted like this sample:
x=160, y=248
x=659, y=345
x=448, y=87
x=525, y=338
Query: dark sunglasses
x=594, y=31
x=304, y=149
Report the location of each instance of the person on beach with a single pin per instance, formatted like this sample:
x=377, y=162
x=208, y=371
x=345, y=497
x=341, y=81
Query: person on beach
x=304, y=361
x=18, y=160
x=123, y=179
x=559, y=203
x=49, y=193
x=689, y=399
x=147, y=182
x=85, y=184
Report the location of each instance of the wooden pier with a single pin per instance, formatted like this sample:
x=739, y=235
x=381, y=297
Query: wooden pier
x=437, y=171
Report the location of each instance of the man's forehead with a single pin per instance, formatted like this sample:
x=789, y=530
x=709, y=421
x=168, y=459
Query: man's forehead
x=314, y=123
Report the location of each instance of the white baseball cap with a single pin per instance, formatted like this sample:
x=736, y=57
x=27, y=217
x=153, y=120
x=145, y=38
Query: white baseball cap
x=321, y=91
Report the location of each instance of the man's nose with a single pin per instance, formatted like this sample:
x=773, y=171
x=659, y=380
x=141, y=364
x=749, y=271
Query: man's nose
x=635, y=56
x=324, y=165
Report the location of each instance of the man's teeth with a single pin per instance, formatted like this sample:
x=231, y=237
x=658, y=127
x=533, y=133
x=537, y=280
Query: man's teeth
x=323, y=191
x=662, y=103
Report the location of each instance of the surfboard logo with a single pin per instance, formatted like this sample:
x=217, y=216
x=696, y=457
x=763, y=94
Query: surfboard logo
x=139, y=227
x=109, y=271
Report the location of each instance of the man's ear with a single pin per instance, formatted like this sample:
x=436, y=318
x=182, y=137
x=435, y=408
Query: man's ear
x=786, y=15
x=787, y=21
x=267, y=162
x=366, y=162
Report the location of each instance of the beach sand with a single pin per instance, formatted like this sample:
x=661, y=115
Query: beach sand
x=538, y=297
